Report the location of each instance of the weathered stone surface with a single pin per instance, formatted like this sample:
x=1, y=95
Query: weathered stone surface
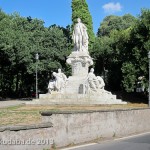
x=103, y=97
x=80, y=62
x=82, y=87
x=50, y=113
x=71, y=127
x=26, y=127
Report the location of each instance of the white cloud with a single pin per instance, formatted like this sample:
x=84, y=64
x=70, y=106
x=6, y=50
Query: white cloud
x=112, y=7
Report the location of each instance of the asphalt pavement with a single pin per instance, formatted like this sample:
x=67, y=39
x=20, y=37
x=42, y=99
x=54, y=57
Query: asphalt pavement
x=138, y=142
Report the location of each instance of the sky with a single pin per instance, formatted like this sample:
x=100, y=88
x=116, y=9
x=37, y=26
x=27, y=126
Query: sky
x=59, y=11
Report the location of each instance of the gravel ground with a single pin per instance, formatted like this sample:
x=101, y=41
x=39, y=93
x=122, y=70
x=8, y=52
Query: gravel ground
x=9, y=103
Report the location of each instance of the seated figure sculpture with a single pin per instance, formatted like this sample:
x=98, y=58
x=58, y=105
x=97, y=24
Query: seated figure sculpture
x=94, y=83
x=58, y=83
x=51, y=86
x=101, y=82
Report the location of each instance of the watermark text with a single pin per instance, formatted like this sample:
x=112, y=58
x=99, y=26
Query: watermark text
x=26, y=142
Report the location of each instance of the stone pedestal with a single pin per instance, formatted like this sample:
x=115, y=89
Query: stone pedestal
x=80, y=62
x=75, y=88
x=77, y=99
x=82, y=87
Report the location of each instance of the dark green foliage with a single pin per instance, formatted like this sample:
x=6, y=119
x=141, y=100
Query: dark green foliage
x=122, y=47
x=20, y=39
x=137, y=52
x=119, y=52
x=115, y=23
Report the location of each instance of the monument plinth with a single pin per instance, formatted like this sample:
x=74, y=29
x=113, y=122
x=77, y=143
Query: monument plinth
x=83, y=87
x=80, y=62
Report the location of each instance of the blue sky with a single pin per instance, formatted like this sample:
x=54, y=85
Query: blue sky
x=59, y=11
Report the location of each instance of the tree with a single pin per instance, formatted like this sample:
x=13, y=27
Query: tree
x=109, y=48
x=20, y=39
x=53, y=54
x=127, y=44
x=80, y=10
x=115, y=23
x=16, y=50
x=137, y=50
x=4, y=61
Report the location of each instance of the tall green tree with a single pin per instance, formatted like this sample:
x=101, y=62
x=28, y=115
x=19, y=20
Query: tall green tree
x=136, y=52
x=80, y=10
x=109, y=46
x=4, y=61
x=124, y=53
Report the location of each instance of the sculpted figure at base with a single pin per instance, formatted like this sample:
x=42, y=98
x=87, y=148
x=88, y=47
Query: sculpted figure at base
x=101, y=82
x=80, y=37
x=51, y=86
x=94, y=83
x=58, y=83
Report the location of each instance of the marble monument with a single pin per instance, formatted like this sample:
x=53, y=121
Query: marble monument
x=83, y=87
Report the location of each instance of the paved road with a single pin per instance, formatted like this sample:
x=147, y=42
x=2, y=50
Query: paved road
x=140, y=142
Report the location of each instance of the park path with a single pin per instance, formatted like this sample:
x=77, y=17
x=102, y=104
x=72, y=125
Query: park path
x=9, y=103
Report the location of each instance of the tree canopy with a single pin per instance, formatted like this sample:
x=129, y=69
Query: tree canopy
x=119, y=50
x=20, y=39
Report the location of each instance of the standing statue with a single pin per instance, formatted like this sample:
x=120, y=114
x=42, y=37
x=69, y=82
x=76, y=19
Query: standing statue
x=80, y=37
x=59, y=83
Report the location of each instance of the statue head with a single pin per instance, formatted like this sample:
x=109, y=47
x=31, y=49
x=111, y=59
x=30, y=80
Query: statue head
x=92, y=70
x=54, y=74
x=78, y=20
x=59, y=70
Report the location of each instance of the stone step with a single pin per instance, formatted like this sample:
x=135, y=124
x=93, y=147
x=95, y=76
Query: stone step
x=79, y=97
x=71, y=102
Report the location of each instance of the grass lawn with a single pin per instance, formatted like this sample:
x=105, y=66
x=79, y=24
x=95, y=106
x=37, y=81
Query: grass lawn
x=29, y=114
